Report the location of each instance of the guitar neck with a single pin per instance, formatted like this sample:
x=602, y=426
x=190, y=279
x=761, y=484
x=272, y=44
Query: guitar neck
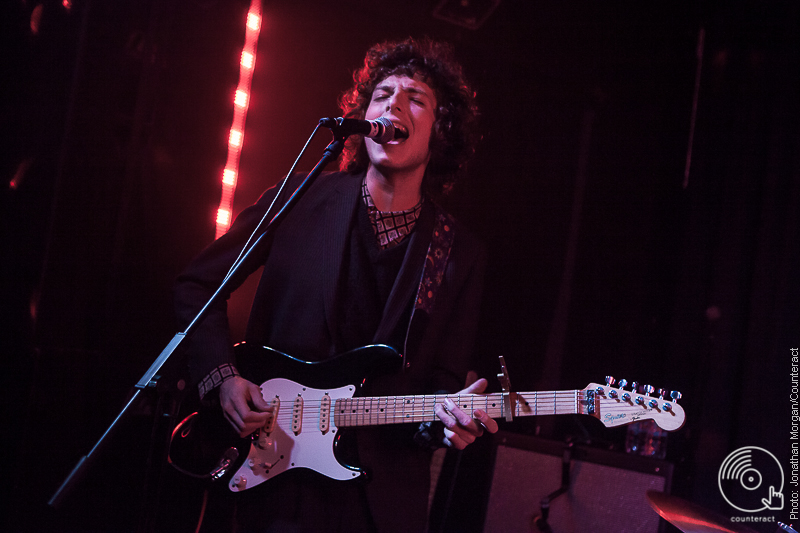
x=374, y=411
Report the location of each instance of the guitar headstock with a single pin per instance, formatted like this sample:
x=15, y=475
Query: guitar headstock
x=616, y=406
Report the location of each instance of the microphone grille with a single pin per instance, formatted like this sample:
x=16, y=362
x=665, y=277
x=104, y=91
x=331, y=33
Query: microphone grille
x=388, y=131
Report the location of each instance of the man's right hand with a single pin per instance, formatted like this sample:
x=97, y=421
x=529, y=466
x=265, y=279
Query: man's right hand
x=243, y=405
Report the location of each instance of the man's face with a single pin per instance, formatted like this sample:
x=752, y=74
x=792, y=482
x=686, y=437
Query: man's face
x=411, y=106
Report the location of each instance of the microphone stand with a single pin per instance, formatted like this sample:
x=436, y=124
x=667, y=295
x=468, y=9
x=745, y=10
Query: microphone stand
x=149, y=379
x=540, y=521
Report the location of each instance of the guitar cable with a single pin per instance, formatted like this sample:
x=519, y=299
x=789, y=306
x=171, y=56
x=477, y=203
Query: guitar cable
x=202, y=512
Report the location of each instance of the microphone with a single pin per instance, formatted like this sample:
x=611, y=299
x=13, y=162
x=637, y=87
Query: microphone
x=380, y=130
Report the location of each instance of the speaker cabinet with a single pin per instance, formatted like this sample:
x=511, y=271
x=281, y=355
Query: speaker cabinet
x=606, y=489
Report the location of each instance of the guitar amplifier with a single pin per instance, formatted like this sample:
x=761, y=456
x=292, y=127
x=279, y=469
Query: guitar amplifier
x=606, y=489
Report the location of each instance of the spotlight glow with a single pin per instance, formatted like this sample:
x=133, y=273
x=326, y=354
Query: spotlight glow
x=241, y=101
x=253, y=21
x=235, y=138
x=229, y=177
x=223, y=217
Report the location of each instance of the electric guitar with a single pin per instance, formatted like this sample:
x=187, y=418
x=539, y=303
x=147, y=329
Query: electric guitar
x=310, y=412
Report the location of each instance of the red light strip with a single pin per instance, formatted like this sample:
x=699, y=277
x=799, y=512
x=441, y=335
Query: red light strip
x=241, y=101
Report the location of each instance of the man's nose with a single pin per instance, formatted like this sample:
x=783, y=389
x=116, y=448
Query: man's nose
x=394, y=102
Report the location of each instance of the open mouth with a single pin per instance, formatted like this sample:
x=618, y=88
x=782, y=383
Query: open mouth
x=401, y=132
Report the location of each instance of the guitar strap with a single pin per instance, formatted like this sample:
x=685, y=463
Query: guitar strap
x=431, y=279
x=435, y=261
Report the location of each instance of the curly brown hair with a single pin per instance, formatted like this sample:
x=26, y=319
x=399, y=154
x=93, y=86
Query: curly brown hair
x=454, y=131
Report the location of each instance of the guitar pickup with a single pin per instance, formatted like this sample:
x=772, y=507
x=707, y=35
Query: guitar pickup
x=325, y=413
x=297, y=415
x=269, y=427
x=262, y=438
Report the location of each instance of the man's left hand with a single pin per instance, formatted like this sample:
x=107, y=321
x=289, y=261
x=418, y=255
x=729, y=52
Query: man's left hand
x=461, y=428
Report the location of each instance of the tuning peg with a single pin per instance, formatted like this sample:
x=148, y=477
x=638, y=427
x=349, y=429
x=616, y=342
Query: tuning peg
x=675, y=395
x=621, y=384
x=649, y=389
x=635, y=386
x=662, y=393
x=609, y=380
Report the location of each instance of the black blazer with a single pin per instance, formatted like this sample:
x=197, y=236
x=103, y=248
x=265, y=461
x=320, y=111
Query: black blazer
x=295, y=311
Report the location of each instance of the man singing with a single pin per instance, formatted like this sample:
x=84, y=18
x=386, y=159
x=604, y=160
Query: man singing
x=366, y=257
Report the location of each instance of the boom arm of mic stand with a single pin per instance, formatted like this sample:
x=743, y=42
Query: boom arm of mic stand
x=331, y=152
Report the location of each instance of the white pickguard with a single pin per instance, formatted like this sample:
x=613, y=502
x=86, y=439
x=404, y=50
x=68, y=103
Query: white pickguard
x=283, y=449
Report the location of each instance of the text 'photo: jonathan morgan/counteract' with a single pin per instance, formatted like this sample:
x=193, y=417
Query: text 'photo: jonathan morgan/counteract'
x=794, y=436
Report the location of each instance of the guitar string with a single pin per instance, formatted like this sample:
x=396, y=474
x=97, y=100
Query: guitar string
x=531, y=406
x=479, y=401
x=422, y=407
x=540, y=405
x=287, y=414
x=366, y=420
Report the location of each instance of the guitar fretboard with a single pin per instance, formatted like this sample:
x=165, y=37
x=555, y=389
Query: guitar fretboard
x=374, y=411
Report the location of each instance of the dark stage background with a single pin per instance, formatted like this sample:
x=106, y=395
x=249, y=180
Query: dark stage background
x=605, y=257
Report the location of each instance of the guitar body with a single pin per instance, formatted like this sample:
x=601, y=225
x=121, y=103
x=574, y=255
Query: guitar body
x=204, y=444
x=285, y=447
